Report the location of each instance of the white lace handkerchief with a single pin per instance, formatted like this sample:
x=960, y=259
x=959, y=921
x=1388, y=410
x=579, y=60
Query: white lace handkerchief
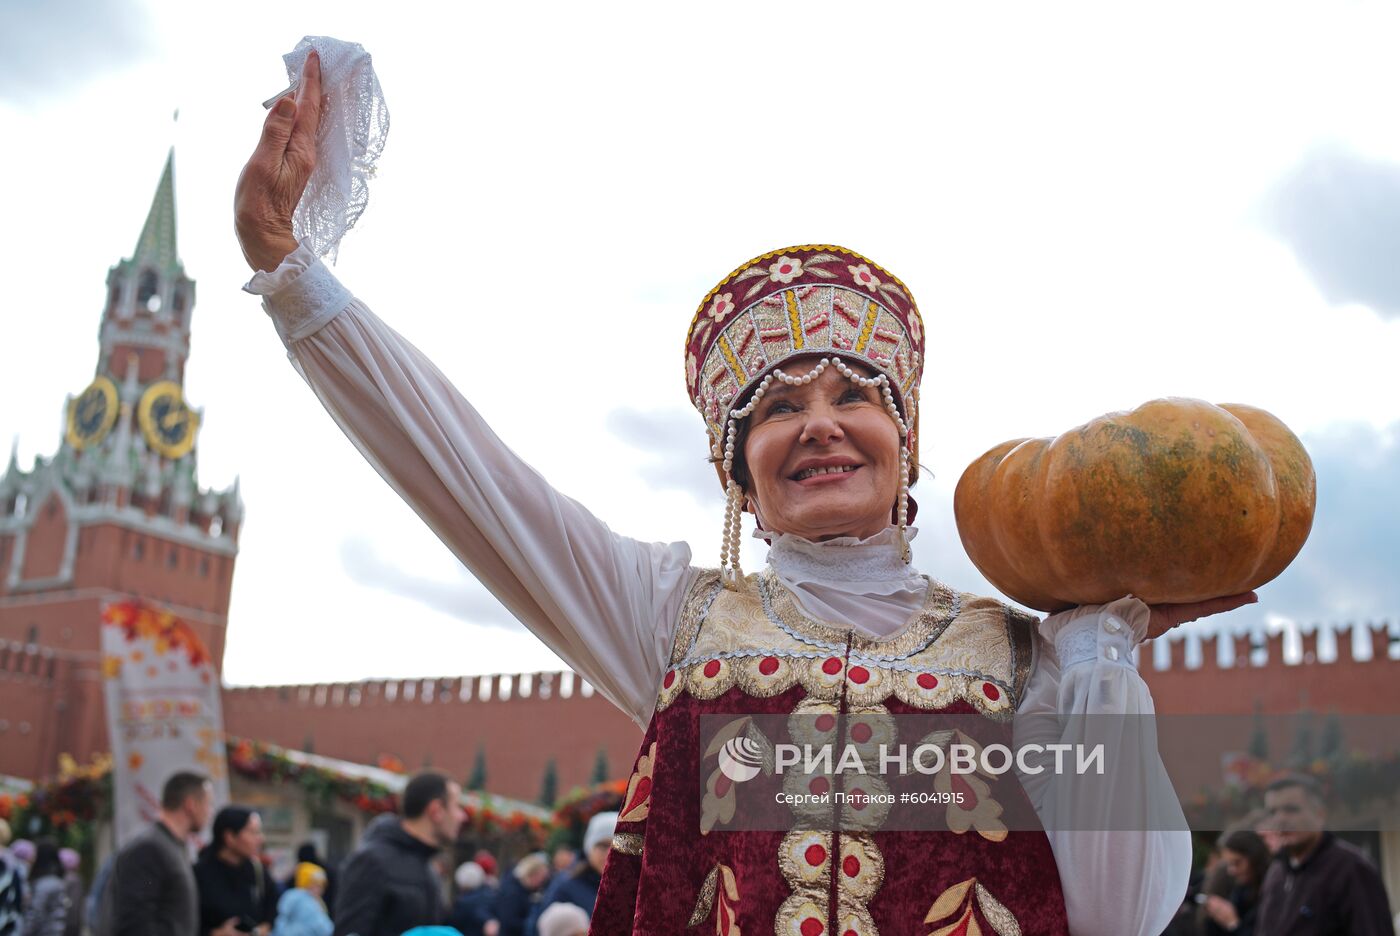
x=354, y=126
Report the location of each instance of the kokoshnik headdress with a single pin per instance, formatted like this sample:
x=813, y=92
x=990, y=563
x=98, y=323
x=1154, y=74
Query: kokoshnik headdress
x=812, y=300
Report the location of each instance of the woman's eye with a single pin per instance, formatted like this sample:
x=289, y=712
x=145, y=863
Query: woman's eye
x=781, y=407
x=852, y=396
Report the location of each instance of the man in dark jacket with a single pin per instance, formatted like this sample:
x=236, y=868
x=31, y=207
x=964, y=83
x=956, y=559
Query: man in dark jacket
x=151, y=890
x=1317, y=885
x=388, y=884
x=519, y=892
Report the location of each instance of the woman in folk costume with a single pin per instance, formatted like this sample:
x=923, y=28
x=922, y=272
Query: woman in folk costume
x=805, y=364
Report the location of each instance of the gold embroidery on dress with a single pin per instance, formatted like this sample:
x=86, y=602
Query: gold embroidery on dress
x=636, y=802
x=629, y=843
x=958, y=648
x=697, y=600
x=1000, y=918
x=807, y=863
x=954, y=908
x=718, y=895
x=1021, y=629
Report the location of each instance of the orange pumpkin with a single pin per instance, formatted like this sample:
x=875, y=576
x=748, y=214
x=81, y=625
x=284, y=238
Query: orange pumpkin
x=1178, y=500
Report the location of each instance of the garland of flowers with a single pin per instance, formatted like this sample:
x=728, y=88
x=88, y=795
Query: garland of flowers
x=261, y=762
x=264, y=764
x=67, y=806
x=12, y=806
x=582, y=804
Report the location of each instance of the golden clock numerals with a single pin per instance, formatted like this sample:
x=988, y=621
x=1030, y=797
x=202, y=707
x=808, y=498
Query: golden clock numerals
x=92, y=414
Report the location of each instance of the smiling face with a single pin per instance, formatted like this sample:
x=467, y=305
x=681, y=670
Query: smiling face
x=822, y=459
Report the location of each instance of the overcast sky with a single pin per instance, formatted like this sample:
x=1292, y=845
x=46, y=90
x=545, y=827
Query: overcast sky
x=1094, y=206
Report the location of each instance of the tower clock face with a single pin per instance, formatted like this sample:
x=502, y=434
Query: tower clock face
x=92, y=414
x=168, y=424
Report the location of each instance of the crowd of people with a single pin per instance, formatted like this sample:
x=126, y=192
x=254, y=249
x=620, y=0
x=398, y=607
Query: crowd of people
x=394, y=882
x=1279, y=872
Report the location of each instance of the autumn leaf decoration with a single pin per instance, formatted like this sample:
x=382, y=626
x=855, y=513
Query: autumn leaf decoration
x=954, y=909
x=636, y=804
x=717, y=805
x=718, y=895
x=974, y=807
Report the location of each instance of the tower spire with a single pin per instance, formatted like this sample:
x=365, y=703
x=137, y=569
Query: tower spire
x=156, y=246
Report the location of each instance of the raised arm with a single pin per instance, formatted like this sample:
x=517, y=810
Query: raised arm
x=603, y=602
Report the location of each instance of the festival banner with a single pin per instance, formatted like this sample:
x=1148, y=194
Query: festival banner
x=163, y=709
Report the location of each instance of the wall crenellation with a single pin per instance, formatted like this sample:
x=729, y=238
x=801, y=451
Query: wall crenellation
x=455, y=690
x=1295, y=645
x=1321, y=644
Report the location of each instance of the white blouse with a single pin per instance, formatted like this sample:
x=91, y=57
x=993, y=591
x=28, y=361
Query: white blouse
x=608, y=605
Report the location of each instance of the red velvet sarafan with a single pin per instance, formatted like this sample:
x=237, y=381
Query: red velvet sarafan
x=676, y=868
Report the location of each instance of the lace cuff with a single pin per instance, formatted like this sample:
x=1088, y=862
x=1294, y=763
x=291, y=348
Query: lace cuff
x=1103, y=633
x=301, y=295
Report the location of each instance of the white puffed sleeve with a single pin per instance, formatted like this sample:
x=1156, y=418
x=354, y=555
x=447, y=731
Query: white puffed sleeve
x=606, y=604
x=1115, y=882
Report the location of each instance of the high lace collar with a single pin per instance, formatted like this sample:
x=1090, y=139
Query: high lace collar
x=871, y=565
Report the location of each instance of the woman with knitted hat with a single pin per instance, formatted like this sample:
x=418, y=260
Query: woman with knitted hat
x=805, y=364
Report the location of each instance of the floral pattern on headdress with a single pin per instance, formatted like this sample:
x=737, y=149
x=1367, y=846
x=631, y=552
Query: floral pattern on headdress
x=814, y=299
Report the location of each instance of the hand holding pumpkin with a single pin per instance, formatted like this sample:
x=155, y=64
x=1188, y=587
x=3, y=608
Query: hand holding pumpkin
x=1186, y=505
x=1166, y=616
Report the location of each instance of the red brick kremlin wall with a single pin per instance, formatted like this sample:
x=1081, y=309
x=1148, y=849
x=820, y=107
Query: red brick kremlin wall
x=521, y=721
x=443, y=722
x=50, y=703
x=1260, y=675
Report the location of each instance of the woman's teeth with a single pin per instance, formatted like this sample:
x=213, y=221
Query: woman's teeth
x=813, y=472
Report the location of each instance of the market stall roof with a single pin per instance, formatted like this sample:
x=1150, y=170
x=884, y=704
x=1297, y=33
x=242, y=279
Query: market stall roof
x=395, y=782
x=15, y=785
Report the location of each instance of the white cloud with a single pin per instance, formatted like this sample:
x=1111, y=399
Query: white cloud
x=51, y=47
x=665, y=441
x=1340, y=214
x=460, y=596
